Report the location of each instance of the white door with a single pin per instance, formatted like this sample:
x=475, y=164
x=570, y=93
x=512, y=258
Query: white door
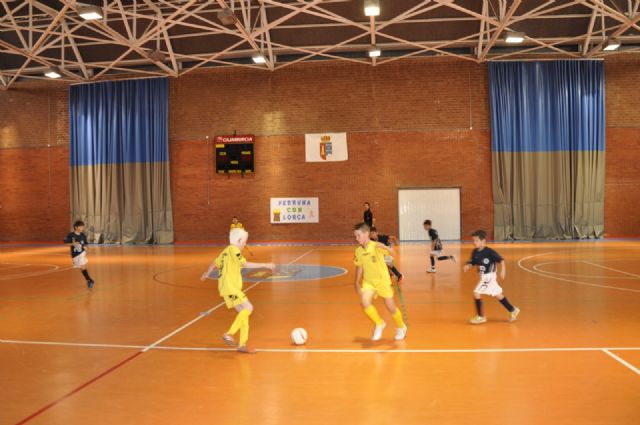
x=441, y=206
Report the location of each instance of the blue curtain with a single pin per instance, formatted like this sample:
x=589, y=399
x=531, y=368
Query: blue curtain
x=120, y=160
x=548, y=143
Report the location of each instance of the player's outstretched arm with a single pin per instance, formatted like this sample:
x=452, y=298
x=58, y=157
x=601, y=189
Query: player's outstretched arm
x=384, y=247
x=210, y=270
x=394, y=240
x=250, y=265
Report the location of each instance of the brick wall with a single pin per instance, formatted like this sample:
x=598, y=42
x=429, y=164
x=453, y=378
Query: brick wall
x=414, y=123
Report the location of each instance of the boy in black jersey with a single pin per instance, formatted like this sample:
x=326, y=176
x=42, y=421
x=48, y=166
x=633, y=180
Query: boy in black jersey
x=436, y=247
x=78, y=241
x=387, y=240
x=487, y=260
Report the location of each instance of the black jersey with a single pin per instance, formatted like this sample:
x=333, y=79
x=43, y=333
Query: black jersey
x=433, y=234
x=486, y=259
x=368, y=217
x=75, y=238
x=384, y=239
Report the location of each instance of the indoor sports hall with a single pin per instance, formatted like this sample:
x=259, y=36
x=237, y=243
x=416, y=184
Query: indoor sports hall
x=319, y=212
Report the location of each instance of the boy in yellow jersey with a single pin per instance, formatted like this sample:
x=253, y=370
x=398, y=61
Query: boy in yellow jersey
x=235, y=224
x=372, y=271
x=230, y=263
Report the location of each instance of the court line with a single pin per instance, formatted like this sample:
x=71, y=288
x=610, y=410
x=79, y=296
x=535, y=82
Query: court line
x=80, y=388
x=128, y=359
x=621, y=360
x=612, y=269
x=538, y=267
x=567, y=280
x=328, y=350
x=36, y=274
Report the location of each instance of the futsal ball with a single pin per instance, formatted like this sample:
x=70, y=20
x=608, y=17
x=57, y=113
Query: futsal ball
x=388, y=260
x=298, y=336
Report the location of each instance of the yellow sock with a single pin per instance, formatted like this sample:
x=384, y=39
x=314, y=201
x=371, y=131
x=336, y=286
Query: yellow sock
x=373, y=314
x=237, y=322
x=397, y=317
x=244, y=329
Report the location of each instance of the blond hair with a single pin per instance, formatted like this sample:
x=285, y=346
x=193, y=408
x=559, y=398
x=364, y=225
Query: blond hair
x=237, y=234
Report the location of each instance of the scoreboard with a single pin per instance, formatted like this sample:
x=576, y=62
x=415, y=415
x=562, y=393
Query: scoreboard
x=234, y=154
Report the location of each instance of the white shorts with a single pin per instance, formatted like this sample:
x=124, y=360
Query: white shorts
x=388, y=260
x=80, y=260
x=436, y=253
x=488, y=285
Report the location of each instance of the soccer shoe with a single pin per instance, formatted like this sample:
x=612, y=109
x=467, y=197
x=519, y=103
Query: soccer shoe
x=453, y=259
x=514, y=314
x=245, y=349
x=377, y=331
x=228, y=339
x=431, y=270
x=90, y=284
x=401, y=333
x=478, y=320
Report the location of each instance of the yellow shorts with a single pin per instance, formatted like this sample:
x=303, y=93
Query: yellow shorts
x=234, y=300
x=379, y=289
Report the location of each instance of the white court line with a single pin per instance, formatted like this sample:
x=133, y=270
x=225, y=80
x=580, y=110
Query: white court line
x=36, y=274
x=332, y=350
x=538, y=267
x=612, y=269
x=621, y=360
x=568, y=280
x=186, y=325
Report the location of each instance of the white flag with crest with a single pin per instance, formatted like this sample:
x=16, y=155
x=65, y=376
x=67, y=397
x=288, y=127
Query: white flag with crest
x=325, y=147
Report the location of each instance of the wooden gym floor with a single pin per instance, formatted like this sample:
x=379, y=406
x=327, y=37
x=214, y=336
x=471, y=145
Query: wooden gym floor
x=143, y=347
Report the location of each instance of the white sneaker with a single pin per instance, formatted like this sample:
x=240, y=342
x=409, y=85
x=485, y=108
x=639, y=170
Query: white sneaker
x=377, y=332
x=514, y=314
x=401, y=333
x=431, y=270
x=478, y=320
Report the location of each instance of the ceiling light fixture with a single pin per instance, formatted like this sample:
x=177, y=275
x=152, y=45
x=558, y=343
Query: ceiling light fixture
x=514, y=37
x=612, y=44
x=258, y=58
x=89, y=12
x=52, y=73
x=374, y=51
x=371, y=7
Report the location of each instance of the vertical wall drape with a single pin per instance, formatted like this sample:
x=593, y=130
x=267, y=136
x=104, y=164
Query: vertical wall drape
x=548, y=141
x=119, y=155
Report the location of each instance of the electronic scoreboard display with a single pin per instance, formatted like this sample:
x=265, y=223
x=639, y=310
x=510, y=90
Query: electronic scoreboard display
x=234, y=154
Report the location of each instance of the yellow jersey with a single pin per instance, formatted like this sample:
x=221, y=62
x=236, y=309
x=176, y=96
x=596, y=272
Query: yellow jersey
x=237, y=225
x=371, y=259
x=229, y=264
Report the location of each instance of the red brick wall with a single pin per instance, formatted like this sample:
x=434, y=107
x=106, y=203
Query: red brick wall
x=416, y=123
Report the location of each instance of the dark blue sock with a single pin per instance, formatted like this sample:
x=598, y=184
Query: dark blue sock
x=395, y=271
x=506, y=304
x=479, y=307
x=433, y=261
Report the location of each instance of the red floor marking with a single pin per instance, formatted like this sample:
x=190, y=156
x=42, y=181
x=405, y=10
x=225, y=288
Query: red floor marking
x=81, y=387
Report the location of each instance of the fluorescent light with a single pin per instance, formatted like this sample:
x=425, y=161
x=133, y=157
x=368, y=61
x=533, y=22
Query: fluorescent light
x=258, y=58
x=514, y=37
x=90, y=13
x=612, y=44
x=371, y=7
x=374, y=51
x=52, y=73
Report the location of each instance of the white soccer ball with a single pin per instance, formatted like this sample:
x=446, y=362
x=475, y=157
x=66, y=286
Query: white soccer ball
x=298, y=336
